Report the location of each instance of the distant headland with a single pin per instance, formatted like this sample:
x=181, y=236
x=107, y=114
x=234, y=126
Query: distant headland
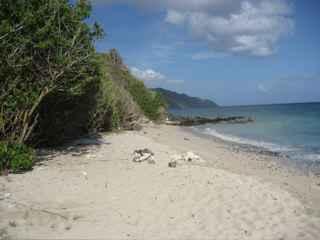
x=180, y=100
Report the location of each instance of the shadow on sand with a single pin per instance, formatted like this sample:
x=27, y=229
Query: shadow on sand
x=76, y=147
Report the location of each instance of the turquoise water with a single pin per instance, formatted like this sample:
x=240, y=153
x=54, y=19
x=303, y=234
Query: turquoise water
x=289, y=129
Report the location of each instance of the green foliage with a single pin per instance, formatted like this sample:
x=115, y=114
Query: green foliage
x=147, y=101
x=110, y=102
x=45, y=46
x=124, y=95
x=114, y=103
x=15, y=156
x=54, y=86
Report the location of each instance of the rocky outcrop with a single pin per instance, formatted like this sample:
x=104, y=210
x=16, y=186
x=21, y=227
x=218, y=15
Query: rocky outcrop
x=196, y=121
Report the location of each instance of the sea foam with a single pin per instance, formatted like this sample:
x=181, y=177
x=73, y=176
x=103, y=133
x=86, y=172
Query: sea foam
x=293, y=152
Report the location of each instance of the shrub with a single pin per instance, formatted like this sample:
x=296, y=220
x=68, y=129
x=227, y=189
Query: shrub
x=45, y=46
x=15, y=156
x=146, y=99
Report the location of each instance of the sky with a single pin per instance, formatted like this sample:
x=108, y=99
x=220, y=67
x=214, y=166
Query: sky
x=234, y=52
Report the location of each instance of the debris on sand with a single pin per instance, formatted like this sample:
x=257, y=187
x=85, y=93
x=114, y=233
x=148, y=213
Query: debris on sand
x=143, y=155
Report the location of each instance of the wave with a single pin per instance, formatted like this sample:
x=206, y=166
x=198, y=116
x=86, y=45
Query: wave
x=292, y=152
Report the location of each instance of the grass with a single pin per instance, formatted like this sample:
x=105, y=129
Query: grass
x=76, y=217
x=12, y=223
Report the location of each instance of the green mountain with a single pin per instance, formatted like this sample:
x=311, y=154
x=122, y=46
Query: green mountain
x=180, y=100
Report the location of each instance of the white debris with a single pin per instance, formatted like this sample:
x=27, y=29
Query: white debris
x=85, y=174
x=11, y=205
x=191, y=157
x=188, y=157
x=141, y=155
x=7, y=195
x=139, y=158
x=8, y=200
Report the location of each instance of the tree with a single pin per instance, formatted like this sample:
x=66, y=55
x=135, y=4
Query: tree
x=116, y=58
x=45, y=47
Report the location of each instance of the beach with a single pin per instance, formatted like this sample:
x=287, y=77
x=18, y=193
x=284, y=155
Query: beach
x=98, y=192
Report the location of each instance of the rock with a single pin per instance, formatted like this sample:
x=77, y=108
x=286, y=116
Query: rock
x=172, y=164
x=195, y=121
x=151, y=161
x=133, y=126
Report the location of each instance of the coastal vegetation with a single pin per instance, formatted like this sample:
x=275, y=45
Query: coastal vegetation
x=54, y=85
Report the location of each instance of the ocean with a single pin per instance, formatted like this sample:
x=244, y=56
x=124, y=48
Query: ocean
x=292, y=130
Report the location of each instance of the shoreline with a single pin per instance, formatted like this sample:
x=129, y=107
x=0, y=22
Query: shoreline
x=291, y=162
x=266, y=167
x=97, y=191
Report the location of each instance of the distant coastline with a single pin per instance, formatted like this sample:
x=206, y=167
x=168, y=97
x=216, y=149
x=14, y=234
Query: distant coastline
x=181, y=100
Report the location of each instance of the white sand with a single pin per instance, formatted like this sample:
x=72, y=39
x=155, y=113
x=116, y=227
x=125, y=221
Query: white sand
x=97, y=192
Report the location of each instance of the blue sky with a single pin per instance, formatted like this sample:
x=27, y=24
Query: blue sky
x=235, y=52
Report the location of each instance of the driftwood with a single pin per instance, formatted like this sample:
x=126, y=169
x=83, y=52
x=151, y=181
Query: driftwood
x=42, y=210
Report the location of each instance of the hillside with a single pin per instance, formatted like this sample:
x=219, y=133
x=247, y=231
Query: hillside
x=180, y=100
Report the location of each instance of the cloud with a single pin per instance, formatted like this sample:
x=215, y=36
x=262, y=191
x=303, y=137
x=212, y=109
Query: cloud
x=208, y=55
x=174, y=17
x=148, y=75
x=262, y=88
x=252, y=30
x=246, y=27
x=151, y=76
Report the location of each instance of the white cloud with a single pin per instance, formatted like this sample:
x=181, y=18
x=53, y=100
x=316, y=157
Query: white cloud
x=263, y=88
x=151, y=76
x=175, y=17
x=247, y=27
x=252, y=30
x=147, y=75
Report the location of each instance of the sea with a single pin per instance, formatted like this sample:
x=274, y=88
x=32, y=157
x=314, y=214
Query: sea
x=290, y=130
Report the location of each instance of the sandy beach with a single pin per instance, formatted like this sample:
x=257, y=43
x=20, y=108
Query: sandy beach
x=98, y=192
